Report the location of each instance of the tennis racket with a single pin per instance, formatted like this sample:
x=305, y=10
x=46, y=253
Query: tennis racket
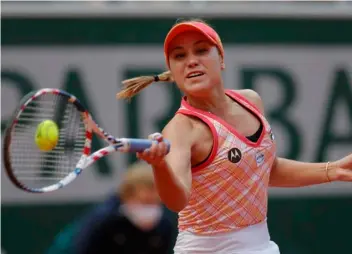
x=37, y=171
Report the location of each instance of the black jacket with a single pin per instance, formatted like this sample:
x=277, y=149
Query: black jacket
x=104, y=230
x=107, y=231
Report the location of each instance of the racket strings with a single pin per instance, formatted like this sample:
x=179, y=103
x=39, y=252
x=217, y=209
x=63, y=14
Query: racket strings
x=34, y=167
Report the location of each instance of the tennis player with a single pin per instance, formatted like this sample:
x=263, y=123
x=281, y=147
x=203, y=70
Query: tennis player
x=223, y=153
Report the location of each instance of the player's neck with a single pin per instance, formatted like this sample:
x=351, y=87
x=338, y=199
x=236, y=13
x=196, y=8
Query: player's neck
x=216, y=102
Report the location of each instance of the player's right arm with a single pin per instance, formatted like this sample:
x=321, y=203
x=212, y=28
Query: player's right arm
x=172, y=172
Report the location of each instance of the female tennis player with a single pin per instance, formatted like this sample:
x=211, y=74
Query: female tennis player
x=223, y=153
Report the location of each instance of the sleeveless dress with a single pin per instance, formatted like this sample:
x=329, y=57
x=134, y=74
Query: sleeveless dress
x=227, y=209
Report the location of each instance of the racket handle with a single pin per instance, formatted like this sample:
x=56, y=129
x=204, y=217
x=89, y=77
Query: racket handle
x=139, y=145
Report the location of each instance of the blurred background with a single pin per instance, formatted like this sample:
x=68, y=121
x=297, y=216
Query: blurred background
x=297, y=55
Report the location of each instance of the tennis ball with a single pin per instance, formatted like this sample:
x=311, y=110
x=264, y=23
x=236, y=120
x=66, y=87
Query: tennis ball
x=47, y=135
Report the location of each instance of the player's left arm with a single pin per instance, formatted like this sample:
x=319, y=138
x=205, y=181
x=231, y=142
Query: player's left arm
x=291, y=173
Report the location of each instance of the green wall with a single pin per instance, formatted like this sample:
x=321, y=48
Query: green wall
x=112, y=31
x=298, y=226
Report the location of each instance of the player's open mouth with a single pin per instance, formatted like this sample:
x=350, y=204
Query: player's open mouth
x=195, y=74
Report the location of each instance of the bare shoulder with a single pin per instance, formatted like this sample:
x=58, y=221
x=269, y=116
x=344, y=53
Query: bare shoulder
x=177, y=123
x=253, y=97
x=179, y=128
x=186, y=130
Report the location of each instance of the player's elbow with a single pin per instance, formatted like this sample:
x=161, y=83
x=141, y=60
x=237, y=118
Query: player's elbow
x=176, y=201
x=176, y=206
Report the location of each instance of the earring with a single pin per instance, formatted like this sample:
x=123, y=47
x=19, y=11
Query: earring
x=222, y=65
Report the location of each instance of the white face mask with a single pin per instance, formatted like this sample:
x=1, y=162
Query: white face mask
x=143, y=216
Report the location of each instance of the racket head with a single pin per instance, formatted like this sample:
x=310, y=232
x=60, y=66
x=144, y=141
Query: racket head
x=31, y=169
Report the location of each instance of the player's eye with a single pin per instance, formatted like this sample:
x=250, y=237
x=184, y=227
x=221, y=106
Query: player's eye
x=179, y=55
x=202, y=50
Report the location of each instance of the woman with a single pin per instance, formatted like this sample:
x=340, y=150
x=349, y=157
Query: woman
x=223, y=154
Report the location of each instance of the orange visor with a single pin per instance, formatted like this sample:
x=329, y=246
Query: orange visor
x=206, y=30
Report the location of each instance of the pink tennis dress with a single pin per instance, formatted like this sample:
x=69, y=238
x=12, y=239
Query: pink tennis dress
x=227, y=209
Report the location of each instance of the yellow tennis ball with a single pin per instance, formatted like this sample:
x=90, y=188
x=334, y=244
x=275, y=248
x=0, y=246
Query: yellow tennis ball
x=47, y=135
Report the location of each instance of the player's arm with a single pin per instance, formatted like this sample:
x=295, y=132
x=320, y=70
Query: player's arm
x=290, y=173
x=173, y=176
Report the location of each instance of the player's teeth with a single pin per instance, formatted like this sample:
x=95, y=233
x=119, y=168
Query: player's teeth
x=195, y=74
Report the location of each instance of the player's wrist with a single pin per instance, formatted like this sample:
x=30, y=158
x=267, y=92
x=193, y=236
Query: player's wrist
x=331, y=171
x=160, y=165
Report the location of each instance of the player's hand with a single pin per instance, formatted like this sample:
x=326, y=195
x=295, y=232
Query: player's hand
x=156, y=153
x=341, y=170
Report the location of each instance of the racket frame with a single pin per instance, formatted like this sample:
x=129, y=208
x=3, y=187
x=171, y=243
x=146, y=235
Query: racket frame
x=87, y=158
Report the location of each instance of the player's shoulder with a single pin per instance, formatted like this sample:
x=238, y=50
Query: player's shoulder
x=253, y=97
x=179, y=123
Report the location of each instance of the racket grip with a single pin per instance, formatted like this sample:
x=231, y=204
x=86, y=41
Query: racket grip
x=139, y=145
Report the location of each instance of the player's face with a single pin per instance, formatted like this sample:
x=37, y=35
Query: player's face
x=195, y=63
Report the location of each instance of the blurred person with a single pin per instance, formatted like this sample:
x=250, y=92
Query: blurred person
x=130, y=221
x=223, y=154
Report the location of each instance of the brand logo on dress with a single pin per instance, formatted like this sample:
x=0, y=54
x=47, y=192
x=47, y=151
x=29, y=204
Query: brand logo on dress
x=234, y=155
x=259, y=157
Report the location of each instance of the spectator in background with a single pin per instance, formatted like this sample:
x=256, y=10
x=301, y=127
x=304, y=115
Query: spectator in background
x=131, y=221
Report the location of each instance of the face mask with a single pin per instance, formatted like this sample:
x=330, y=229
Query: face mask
x=143, y=216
